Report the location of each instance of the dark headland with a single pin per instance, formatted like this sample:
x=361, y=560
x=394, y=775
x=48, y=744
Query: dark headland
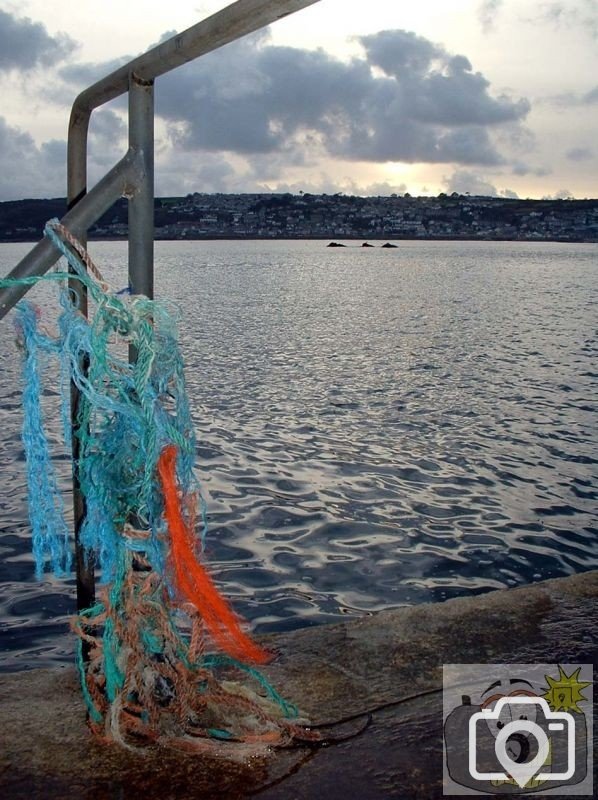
x=338, y=216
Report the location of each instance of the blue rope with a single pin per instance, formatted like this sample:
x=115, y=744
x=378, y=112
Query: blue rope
x=50, y=534
x=126, y=416
x=144, y=405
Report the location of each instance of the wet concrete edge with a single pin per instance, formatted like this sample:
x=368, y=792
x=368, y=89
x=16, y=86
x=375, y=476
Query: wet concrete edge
x=389, y=663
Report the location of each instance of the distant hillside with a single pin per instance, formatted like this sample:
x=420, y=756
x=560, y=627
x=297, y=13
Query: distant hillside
x=273, y=216
x=24, y=220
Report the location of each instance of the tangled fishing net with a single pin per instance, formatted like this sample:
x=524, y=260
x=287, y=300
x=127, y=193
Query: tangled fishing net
x=162, y=657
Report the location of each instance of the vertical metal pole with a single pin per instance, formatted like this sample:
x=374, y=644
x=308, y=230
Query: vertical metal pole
x=141, y=204
x=77, y=188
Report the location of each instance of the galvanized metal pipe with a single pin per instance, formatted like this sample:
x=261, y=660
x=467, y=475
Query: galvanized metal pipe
x=233, y=22
x=137, y=171
x=141, y=204
x=121, y=180
x=76, y=192
x=84, y=559
x=76, y=155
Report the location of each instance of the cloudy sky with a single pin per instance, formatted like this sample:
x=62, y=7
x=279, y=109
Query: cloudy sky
x=486, y=96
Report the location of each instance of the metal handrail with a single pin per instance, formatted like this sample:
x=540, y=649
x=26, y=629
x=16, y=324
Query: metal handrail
x=136, y=77
x=233, y=22
x=120, y=181
x=132, y=177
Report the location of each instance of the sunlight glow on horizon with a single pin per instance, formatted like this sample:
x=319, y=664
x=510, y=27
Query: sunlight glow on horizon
x=521, y=55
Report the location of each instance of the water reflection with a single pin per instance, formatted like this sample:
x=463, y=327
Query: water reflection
x=372, y=432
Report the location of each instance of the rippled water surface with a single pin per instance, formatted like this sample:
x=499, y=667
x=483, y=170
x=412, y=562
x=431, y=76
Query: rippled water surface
x=376, y=427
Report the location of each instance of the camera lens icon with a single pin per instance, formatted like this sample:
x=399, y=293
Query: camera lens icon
x=512, y=746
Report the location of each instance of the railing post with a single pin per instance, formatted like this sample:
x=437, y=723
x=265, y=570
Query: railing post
x=239, y=19
x=141, y=203
x=76, y=190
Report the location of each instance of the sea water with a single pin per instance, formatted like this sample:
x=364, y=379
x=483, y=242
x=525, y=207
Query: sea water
x=375, y=428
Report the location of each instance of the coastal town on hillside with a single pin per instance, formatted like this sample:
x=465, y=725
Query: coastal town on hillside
x=308, y=216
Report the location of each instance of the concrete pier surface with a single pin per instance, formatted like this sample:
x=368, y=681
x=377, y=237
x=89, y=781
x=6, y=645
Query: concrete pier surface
x=378, y=677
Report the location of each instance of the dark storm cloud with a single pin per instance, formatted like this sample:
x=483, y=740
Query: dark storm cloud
x=107, y=144
x=406, y=100
x=83, y=75
x=28, y=170
x=107, y=138
x=252, y=99
x=25, y=44
x=32, y=170
x=399, y=52
x=74, y=77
